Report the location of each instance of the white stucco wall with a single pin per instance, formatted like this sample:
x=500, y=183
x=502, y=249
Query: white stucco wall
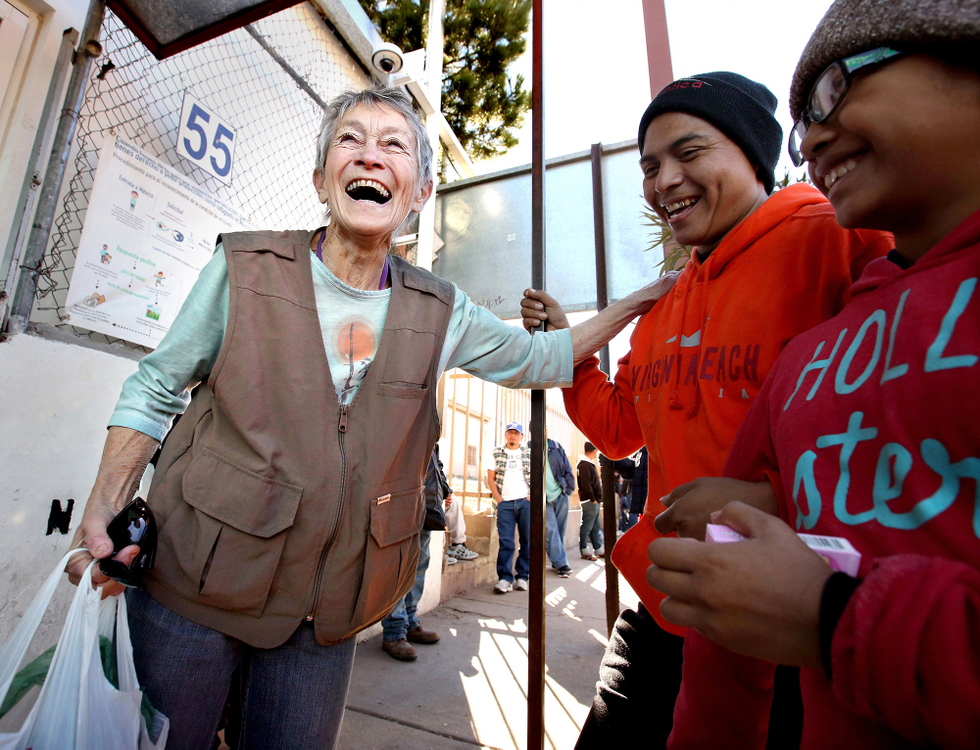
x=55, y=400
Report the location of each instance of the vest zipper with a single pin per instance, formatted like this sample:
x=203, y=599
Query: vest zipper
x=341, y=428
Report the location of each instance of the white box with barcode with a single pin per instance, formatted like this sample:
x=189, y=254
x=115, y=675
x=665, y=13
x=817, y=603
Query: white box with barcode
x=836, y=550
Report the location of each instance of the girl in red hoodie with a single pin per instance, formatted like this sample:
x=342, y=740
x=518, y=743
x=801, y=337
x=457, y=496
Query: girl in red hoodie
x=867, y=426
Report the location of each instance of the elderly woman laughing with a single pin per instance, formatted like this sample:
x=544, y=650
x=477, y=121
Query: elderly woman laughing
x=289, y=497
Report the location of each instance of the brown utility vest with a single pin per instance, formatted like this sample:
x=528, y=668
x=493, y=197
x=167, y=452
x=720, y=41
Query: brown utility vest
x=276, y=504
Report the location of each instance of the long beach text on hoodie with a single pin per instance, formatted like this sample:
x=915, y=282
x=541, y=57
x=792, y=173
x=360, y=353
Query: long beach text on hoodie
x=700, y=356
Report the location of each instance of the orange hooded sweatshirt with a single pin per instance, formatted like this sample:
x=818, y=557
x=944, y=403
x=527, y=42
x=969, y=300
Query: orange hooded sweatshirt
x=699, y=357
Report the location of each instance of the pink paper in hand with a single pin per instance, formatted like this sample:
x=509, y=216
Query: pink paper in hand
x=715, y=532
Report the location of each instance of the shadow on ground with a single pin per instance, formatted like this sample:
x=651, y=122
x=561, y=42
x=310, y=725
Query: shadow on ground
x=470, y=688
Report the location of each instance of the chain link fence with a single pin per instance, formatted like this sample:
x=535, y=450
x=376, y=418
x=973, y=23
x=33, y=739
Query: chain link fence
x=136, y=96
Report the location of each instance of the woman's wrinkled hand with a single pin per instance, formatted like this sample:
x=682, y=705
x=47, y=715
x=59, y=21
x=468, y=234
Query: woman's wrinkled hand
x=92, y=535
x=539, y=308
x=759, y=597
x=689, y=506
x=124, y=459
x=652, y=293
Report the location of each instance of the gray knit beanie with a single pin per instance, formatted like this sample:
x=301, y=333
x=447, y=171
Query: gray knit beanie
x=853, y=26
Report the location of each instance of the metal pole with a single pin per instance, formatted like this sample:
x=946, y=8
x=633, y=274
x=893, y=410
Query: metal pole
x=434, y=45
x=610, y=511
x=287, y=68
x=536, y=612
x=599, y=222
x=610, y=528
x=658, y=46
x=32, y=179
x=47, y=203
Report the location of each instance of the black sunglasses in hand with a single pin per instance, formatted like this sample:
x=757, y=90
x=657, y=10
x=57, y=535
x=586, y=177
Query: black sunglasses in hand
x=133, y=525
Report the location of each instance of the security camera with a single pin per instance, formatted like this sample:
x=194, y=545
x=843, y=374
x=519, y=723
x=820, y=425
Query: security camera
x=387, y=58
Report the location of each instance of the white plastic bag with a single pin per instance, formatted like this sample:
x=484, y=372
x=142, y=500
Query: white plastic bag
x=77, y=706
x=160, y=727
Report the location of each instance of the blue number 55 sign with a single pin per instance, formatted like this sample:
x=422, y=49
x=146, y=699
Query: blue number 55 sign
x=205, y=139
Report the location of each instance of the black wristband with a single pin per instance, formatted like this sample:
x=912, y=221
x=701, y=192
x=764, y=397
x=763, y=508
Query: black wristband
x=836, y=594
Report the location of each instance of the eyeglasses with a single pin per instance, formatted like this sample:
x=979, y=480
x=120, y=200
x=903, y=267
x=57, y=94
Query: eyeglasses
x=827, y=92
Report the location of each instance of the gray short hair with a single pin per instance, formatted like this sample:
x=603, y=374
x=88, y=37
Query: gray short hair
x=393, y=98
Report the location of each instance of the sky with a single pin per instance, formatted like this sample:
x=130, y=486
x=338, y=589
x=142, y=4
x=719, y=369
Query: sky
x=597, y=86
x=596, y=83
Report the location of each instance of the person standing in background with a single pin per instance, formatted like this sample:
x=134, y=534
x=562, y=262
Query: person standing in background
x=639, y=496
x=510, y=483
x=402, y=624
x=590, y=497
x=559, y=484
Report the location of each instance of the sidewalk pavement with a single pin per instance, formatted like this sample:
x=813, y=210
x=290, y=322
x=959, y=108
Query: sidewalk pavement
x=470, y=688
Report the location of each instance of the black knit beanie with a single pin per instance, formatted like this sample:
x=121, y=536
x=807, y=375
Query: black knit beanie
x=853, y=26
x=739, y=108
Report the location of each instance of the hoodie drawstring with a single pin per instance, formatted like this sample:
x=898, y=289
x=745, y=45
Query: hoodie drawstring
x=693, y=409
x=675, y=402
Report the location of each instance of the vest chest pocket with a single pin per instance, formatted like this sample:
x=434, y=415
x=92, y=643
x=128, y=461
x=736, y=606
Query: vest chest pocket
x=409, y=355
x=230, y=541
x=391, y=555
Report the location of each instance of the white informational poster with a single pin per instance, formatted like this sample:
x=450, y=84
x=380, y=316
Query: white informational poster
x=148, y=232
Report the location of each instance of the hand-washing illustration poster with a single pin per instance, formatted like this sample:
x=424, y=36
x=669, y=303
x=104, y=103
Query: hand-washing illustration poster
x=149, y=231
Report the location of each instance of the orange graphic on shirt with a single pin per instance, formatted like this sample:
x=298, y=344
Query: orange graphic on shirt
x=354, y=340
x=355, y=344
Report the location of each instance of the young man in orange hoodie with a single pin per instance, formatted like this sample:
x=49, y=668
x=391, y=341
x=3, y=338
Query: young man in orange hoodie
x=764, y=269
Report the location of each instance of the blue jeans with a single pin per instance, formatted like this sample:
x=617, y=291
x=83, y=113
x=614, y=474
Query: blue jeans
x=624, y=513
x=591, y=529
x=556, y=524
x=403, y=618
x=511, y=515
x=293, y=696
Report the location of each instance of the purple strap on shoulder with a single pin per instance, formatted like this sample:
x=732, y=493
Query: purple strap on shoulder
x=384, y=274
x=319, y=246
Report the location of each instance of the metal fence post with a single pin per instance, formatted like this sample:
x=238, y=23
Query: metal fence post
x=610, y=510
x=536, y=612
x=88, y=49
x=28, y=193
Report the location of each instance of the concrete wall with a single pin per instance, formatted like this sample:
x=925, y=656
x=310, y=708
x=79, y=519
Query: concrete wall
x=55, y=400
